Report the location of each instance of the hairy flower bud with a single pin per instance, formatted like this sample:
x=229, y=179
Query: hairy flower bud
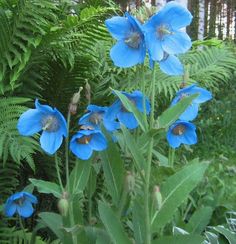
x=157, y=197
x=129, y=182
x=88, y=92
x=75, y=101
x=63, y=204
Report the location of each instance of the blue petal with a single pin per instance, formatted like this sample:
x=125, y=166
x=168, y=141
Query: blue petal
x=172, y=139
x=25, y=210
x=30, y=197
x=204, y=95
x=190, y=113
x=134, y=22
x=43, y=108
x=178, y=42
x=119, y=27
x=111, y=125
x=125, y=56
x=85, y=119
x=154, y=46
x=82, y=151
x=139, y=104
x=10, y=209
x=189, y=137
x=171, y=66
x=98, y=142
x=128, y=120
x=113, y=110
x=30, y=122
x=174, y=15
x=95, y=108
x=62, y=121
x=51, y=141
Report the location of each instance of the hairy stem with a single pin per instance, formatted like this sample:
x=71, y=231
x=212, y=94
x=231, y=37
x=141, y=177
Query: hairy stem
x=58, y=173
x=23, y=229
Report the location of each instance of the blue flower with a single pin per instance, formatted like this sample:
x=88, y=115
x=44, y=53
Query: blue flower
x=162, y=31
x=192, y=111
x=84, y=142
x=171, y=65
x=118, y=112
x=94, y=117
x=130, y=47
x=46, y=119
x=181, y=132
x=20, y=202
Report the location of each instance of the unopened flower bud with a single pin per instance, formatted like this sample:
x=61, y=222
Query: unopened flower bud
x=88, y=92
x=129, y=181
x=75, y=101
x=63, y=204
x=157, y=197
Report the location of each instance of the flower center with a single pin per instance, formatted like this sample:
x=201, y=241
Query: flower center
x=50, y=123
x=20, y=201
x=133, y=40
x=84, y=139
x=163, y=30
x=95, y=118
x=179, y=130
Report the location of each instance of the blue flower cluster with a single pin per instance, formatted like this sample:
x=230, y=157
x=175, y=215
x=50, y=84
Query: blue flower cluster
x=89, y=138
x=182, y=131
x=161, y=36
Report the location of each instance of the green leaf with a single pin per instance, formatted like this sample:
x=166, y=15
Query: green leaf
x=53, y=221
x=80, y=175
x=199, y=220
x=47, y=187
x=112, y=224
x=134, y=149
x=132, y=108
x=172, y=114
x=175, y=190
x=229, y=235
x=180, y=239
x=113, y=167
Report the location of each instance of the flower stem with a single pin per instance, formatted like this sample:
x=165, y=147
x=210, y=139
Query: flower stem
x=23, y=229
x=58, y=173
x=171, y=157
x=67, y=153
x=149, y=164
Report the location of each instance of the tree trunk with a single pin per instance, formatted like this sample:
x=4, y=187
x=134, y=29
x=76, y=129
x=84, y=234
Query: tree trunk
x=183, y=2
x=206, y=18
x=201, y=19
x=193, y=6
x=229, y=17
x=212, y=21
x=160, y=3
x=138, y=3
x=221, y=20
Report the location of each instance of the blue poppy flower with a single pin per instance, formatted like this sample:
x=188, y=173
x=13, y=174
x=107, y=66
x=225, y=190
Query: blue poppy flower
x=162, y=31
x=181, y=132
x=118, y=112
x=191, y=112
x=46, y=119
x=94, y=117
x=84, y=142
x=171, y=65
x=130, y=47
x=21, y=203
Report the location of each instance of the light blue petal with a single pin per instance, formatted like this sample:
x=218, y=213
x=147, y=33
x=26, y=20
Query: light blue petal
x=98, y=142
x=43, y=108
x=82, y=151
x=128, y=120
x=171, y=66
x=178, y=42
x=51, y=141
x=95, y=108
x=10, y=209
x=119, y=27
x=30, y=122
x=172, y=139
x=134, y=22
x=62, y=121
x=204, y=95
x=190, y=113
x=30, y=197
x=85, y=119
x=113, y=110
x=25, y=210
x=154, y=46
x=189, y=137
x=175, y=15
x=139, y=104
x=111, y=125
x=124, y=56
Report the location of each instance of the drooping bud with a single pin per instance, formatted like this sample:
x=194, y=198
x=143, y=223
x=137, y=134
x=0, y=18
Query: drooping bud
x=157, y=197
x=88, y=92
x=63, y=204
x=74, y=102
x=129, y=181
